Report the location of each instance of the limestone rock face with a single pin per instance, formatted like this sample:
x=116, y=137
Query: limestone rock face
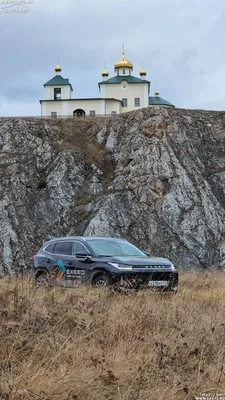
x=153, y=176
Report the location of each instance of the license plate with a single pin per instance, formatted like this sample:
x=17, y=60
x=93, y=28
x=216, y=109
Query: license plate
x=158, y=283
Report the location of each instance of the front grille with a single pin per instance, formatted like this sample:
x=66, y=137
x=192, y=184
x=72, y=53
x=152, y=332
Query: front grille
x=142, y=279
x=154, y=275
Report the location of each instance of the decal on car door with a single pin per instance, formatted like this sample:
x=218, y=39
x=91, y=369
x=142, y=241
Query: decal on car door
x=61, y=272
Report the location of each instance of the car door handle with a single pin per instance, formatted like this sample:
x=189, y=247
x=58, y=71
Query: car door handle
x=69, y=263
x=48, y=261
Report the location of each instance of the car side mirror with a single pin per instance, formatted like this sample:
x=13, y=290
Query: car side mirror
x=83, y=254
x=146, y=253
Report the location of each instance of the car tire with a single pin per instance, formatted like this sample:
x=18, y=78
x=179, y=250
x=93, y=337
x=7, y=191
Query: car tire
x=46, y=279
x=42, y=280
x=100, y=280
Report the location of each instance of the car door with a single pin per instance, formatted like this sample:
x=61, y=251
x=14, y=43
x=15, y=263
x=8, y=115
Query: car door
x=79, y=269
x=63, y=251
x=46, y=257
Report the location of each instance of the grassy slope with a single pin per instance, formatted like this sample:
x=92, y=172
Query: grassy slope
x=88, y=344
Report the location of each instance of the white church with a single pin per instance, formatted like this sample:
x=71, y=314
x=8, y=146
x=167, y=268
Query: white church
x=119, y=94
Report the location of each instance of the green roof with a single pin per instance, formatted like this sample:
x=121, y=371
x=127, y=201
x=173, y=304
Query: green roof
x=128, y=78
x=58, y=80
x=158, y=101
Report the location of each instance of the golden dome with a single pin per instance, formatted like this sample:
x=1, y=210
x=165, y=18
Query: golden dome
x=105, y=72
x=123, y=63
x=58, y=68
x=156, y=93
x=143, y=72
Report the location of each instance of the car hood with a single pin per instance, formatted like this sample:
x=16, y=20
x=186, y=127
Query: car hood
x=129, y=260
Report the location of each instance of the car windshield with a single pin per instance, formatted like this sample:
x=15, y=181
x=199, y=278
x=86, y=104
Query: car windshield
x=114, y=248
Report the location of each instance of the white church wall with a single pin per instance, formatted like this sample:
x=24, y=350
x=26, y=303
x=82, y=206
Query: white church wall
x=102, y=90
x=54, y=106
x=66, y=92
x=65, y=108
x=86, y=105
x=113, y=106
x=102, y=107
x=130, y=91
x=146, y=95
x=43, y=109
x=48, y=93
x=124, y=72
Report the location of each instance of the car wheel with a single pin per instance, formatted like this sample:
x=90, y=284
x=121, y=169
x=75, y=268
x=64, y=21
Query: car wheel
x=42, y=280
x=100, y=280
x=46, y=279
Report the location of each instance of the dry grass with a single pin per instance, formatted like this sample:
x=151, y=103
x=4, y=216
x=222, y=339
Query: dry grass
x=90, y=344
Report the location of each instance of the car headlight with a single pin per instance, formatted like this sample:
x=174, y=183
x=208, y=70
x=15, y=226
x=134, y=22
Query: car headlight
x=121, y=266
x=172, y=266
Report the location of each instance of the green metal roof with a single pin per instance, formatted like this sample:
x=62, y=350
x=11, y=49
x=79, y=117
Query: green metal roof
x=158, y=101
x=128, y=78
x=58, y=80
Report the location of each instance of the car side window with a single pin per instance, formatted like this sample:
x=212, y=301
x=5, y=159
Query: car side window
x=63, y=248
x=50, y=248
x=79, y=247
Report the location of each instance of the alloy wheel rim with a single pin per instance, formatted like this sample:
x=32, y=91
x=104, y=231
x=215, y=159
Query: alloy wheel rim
x=100, y=282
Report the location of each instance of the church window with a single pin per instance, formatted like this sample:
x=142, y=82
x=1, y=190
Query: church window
x=92, y=113
x=124, y=101
x=53, y=114
x=137, y=102
x=57, y=93
x=124, y=71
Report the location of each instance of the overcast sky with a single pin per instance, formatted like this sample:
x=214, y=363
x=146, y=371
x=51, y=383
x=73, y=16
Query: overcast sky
x=180, y=43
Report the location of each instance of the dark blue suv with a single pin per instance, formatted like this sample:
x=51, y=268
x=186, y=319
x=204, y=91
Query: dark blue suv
x=70, y=261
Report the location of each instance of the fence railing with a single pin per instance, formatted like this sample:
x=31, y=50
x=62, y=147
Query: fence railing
x=62, y=116
x=81, y=116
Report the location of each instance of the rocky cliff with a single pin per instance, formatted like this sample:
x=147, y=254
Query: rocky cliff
x=154, y=176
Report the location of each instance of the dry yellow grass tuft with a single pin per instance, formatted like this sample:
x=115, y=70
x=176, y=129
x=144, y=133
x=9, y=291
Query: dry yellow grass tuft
x=91, y=344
